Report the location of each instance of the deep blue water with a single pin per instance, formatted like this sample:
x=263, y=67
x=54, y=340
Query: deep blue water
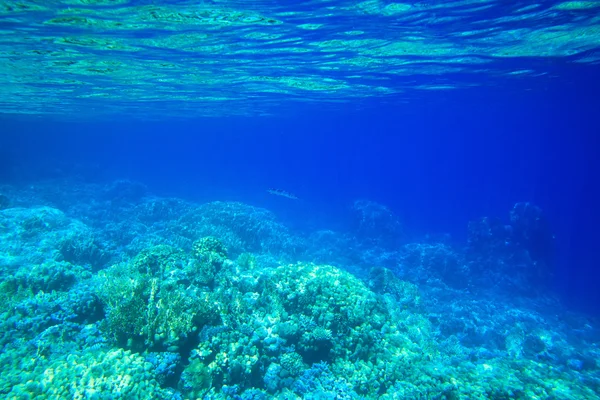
x=438, y=162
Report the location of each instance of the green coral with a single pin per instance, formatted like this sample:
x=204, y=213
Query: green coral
x=97, y=374
x=292, y=363
x=158, y=260
x=384, y=281
x=210, y=247
x=209, y=254
x=322, y=312
x=316, y=343
x=247, y=261
x=330, y=297
x=50, y=275
x=150, y=303
x=197, y=377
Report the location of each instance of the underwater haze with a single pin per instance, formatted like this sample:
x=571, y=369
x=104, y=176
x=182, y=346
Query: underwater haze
x=303, y=199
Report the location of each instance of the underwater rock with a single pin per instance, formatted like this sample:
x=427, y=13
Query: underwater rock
x=488, y=235
x=531, y=231
x=36, y=235
x=517, y=256
x=420, y=262
x=330, y=247
x=375, y=224
x=240, y=227
x=125, y=191
x=157, y=210
x=384, y=281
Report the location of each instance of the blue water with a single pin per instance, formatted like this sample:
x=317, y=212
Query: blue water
x=432, y=162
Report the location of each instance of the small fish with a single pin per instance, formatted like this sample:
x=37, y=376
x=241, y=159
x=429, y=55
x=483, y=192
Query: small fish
x=282, y=193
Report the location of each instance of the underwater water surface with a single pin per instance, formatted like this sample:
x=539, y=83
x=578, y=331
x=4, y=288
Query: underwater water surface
x=158, y=59
x=304, y=199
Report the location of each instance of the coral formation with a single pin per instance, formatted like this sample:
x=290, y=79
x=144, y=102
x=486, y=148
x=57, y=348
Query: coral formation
x=376, y=224
x=160, y=298
x=241, y=228
x=97, y=374
x=152, y=302
x=515, y=256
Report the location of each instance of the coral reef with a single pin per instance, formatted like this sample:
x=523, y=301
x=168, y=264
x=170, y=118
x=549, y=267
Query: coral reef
x=282, y=320
x=33, y=235
x=142, y=297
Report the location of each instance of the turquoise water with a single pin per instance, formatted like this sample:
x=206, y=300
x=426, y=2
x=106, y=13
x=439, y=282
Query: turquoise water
x=299, y=200
x=186, y=59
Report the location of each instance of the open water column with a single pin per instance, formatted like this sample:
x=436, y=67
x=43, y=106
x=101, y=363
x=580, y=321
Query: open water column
x=301, y=199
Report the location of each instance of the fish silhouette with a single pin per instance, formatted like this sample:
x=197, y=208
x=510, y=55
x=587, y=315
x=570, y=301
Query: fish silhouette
x=282, y=193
